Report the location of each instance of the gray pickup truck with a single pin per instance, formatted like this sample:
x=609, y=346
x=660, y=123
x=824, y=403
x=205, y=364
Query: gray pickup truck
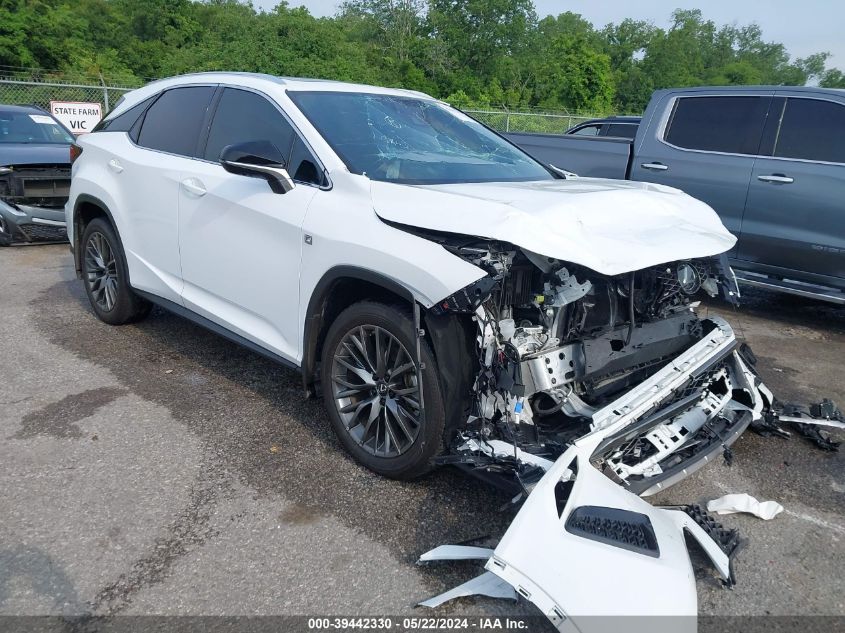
x=769, y=160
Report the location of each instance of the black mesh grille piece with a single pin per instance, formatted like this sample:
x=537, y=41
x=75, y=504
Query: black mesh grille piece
x=35, y=232
x=621, y=528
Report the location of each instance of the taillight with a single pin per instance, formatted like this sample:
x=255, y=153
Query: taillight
x=75, y=152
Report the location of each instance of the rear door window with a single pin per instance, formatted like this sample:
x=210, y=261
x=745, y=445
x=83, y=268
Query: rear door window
x=726, y=124
x=587, y=130
x=243, y=116
x=812, y=129
x=173, y=123
x=621, y=130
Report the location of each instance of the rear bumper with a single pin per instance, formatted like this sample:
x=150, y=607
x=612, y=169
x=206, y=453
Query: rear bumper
x=24, y=223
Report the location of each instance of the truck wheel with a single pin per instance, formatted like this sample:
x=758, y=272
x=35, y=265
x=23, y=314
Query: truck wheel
x=105, y=276
x=369, y=383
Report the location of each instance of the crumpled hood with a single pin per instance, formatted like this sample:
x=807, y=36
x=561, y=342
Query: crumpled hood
x=34, y=154
x=609, y=226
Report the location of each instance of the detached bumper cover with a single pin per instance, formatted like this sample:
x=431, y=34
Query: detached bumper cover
x=582, y=546
x=620, y=556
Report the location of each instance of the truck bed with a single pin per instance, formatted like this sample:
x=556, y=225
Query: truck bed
x=589, y=156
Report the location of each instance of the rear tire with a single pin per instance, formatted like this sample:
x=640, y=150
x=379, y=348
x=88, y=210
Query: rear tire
x=105, y=276
x=369, y=384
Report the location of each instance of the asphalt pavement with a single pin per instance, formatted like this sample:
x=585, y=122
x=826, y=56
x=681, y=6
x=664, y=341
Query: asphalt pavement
x=156, y=468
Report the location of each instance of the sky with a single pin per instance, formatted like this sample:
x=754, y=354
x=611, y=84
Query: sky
x=805, y=27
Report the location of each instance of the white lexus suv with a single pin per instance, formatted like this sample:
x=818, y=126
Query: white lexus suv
x=451, y=299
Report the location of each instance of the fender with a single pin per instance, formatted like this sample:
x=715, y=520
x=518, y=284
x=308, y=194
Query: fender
x=313, y=321
x=451, y=337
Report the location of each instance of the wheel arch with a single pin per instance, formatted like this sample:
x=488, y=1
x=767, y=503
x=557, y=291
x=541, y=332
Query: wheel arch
x=451, y=336
x=85, y=209
x=337, y=289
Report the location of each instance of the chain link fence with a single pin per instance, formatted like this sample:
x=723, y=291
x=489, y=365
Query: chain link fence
x=24, y=88
x=41, y=89
x=538, y=122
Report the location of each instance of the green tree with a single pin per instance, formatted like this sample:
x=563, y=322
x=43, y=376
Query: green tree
x=494, y=53
x=478, y=33
x=833, y=78
x=626, y=44
x=574, y=75
x=395, y=24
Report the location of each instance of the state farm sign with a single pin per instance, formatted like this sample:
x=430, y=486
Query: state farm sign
x=77, y=116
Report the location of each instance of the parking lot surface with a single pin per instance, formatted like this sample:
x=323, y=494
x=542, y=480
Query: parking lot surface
x=159, y=469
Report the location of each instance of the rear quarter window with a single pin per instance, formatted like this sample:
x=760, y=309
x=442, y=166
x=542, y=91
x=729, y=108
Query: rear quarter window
x=124, y=122
x=726, y=124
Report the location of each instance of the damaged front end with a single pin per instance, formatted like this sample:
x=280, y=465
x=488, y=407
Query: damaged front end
x=565, y=354
x=591, y=391
x=32, y=199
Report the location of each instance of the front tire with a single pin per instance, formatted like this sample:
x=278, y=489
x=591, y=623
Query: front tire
x=105, y=275
x=369, y=383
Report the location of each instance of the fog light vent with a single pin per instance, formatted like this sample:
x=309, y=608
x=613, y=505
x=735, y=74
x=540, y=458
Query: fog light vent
x=621, y=528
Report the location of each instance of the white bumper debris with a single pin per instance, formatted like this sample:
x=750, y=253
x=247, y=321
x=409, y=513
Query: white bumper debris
x=582, y=546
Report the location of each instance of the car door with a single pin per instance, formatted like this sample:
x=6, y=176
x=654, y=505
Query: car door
x=705, y=145
x=147, y=172
x=795, y=214
x=241, y=243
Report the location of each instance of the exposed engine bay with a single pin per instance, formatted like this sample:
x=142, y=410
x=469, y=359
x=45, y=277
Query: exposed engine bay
x=557, y=343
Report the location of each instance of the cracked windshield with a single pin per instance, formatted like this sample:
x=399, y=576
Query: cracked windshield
x=413, y=141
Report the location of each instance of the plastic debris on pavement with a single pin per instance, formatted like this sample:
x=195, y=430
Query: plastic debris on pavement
x=733, y=503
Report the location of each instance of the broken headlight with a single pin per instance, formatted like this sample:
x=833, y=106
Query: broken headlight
x=688, y=278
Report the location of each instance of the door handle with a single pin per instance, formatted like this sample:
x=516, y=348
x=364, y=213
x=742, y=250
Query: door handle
x=776, y=178
x=115, y=166
x=194, y=186
x=655, y=166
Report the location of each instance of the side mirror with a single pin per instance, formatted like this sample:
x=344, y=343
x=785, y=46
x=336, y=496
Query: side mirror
x=259, y=159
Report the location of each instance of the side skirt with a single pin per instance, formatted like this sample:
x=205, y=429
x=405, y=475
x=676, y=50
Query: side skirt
x=208, y=324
